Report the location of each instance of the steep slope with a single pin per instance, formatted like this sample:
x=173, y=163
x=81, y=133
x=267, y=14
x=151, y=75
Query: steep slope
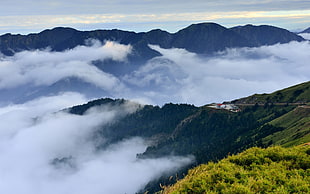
x=271, y=170
x=266, y=35
x=58, y=39
x=296, y=94
x=295, y=125
x=211, y=134
x=206, y=133
x=149, y=121
x=207, y=38
x=306, y=30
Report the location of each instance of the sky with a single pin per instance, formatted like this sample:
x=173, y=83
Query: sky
x=25, y=16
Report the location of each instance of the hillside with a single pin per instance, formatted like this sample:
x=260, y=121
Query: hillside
x=208, y=38
x=271, y=170
x=306, y=30
x=296, y=94
x=296, y=128
x=209, y=134
x=264, y=34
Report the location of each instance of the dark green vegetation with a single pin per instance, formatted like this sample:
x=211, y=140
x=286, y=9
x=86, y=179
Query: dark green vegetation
x=295, y=128
x=256, y=170
x=280, y=118
x=203, y=38
x=296, y=94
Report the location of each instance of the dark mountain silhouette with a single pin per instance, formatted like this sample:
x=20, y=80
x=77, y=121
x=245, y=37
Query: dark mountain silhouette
x=203, y=38
x=306, y=30
x=208, y=38
x=265, y=35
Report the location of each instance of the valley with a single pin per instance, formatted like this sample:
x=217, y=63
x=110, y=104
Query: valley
x=85, y=111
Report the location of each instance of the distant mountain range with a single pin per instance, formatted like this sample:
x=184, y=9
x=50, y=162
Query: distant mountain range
x=306, y=30
x=202, y=38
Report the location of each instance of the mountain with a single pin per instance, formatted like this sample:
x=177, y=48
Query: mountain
x=306, y=30
x=296, y=94
x=203, y=38
x=265, y=35
x=208, y=38
x=271, y=170
x=209, y=133
x=295, y=125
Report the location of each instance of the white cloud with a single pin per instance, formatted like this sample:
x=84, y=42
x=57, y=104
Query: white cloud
x=42, y=67
x=18, y=116
x=181, y=76
x=170, y=21
x=143, y=7
x=177, y=76
x=305, y=35
x=46, y=151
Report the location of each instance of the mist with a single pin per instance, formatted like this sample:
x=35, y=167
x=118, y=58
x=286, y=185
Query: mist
x=181, y=76
x=44, y=68
x=176, y=76
x=44, y=150
x=305, y=35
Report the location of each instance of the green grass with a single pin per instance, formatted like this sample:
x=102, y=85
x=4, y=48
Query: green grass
x=296, y=126
x=296, y=94
x=256, y=170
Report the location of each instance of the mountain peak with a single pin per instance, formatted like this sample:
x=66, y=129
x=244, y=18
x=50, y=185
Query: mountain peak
x=204, y=25
x=306, y=30
x=59, y=30
x=207, y=38
x=201, y=38
x=266, y=34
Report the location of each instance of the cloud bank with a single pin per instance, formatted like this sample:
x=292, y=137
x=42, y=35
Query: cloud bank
x=43, y=151
x=181, y=76
x=305, y=35
x=177, y=76
x=42, y=67
x=140, y=15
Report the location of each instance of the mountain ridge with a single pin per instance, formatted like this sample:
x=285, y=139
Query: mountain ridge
x=306, y=30
x=206, y=133
x=202, y=38
x=265, y=34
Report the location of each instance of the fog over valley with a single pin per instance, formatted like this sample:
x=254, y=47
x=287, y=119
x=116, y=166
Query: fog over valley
x=45, y=148
x=175, y=76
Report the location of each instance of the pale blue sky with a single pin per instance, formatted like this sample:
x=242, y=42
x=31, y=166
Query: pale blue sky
x=25, y=16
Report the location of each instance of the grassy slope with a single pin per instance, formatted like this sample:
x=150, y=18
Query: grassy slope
x=296, y=94
x=256, y=170
x=296, y=126
x=271, y=170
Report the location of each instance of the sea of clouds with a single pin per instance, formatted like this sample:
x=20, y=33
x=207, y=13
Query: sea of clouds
x=176, y=76
x=46, y=150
